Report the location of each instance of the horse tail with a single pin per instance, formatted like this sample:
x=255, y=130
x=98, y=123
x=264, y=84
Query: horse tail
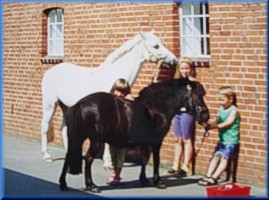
x=50, y=133
x=75, y=140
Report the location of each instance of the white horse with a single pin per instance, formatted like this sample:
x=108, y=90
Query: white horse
x=66, y=83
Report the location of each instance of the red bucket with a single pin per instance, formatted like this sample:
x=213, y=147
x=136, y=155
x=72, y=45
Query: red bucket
x=228, y=190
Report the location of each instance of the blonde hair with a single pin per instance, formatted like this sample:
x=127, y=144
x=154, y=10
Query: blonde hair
x=228, y=92
x=122, y=86
x=190, y=63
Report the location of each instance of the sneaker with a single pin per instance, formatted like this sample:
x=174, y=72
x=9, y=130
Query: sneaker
x=172, y=171
x=184, y=171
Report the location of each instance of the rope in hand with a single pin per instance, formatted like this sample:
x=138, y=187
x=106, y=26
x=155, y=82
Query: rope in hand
x=206, y=135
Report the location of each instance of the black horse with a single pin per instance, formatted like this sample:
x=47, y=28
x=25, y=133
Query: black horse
x=103, y=117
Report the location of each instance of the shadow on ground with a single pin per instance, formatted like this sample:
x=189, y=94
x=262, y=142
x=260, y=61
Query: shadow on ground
x=18, y=185
x=169, y=180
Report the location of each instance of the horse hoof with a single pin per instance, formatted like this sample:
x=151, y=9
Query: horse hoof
x=93, y=189
x=47, y=157
x=145, y=182
x=63, y=187
x=160, y=185
x=48, y=160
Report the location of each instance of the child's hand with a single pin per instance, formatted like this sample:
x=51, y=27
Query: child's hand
x=129, y=97
x=211, y=126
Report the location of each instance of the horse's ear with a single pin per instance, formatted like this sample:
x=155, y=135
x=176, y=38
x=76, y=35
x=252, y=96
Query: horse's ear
x=201, y=88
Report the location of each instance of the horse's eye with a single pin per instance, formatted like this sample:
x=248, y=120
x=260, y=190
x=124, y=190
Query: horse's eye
x=156, y=46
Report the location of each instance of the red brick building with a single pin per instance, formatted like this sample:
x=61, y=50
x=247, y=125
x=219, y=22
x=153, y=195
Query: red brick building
x=229, y=39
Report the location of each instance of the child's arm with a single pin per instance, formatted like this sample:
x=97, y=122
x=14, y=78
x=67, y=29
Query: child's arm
x=227, y=123
x=129, y=97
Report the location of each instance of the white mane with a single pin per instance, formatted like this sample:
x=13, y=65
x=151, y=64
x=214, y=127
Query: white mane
x=125, y=48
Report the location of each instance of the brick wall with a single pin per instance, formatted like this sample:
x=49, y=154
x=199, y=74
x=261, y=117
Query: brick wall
x=238, y=58
x=93, y=30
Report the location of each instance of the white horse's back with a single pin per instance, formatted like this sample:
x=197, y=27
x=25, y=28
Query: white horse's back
x=69, y=83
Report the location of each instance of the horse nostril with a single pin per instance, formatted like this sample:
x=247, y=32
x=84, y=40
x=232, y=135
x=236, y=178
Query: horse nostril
x=207, y=117
x=204, y=116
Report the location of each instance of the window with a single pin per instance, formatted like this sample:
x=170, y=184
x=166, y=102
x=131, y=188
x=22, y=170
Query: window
x=55, y=33
x=194, y=31
x=53, y=36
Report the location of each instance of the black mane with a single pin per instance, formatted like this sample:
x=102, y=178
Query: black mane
x=161, y=89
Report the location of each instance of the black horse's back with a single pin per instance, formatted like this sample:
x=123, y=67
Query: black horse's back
x=104, y=117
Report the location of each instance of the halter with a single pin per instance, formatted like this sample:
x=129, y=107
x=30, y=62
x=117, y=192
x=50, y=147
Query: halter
x=189, y=100
x=156, y=73
x=189, y=90
x=196, y=109
x=159, y=59
x=151, y=55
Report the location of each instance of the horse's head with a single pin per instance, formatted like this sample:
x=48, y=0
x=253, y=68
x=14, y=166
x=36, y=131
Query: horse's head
x=155, y=51
x=194, y=101
x=174, y=95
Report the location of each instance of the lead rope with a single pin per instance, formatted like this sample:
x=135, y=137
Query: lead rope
x=156, y=73
x=206, y=135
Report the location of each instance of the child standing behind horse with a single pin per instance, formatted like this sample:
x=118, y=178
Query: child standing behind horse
x=122, y=89
x=227, y=123
x=183, y=125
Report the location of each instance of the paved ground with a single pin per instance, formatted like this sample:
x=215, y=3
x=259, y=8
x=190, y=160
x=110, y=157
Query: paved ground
x=26, y=175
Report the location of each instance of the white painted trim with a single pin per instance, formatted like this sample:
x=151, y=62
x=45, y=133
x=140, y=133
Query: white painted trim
x=204, y=36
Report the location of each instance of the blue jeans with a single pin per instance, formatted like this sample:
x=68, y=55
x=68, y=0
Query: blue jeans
x=224, y=150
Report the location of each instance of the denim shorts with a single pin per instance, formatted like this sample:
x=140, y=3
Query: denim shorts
x=183, y=125
x=224, y=150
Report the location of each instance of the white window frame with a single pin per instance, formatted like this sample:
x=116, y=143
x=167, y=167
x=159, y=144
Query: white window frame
x=196, y=36
x=55, y=38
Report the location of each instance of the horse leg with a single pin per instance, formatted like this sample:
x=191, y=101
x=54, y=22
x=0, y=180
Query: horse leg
x=64, y=126
x=156, y=160
x=62, y=181
x=64, y=133
x=107, y=158
x=144, y=160
x=89, y=157
x=48, y=111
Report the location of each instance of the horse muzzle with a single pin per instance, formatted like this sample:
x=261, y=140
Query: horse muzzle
x=203, y=117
